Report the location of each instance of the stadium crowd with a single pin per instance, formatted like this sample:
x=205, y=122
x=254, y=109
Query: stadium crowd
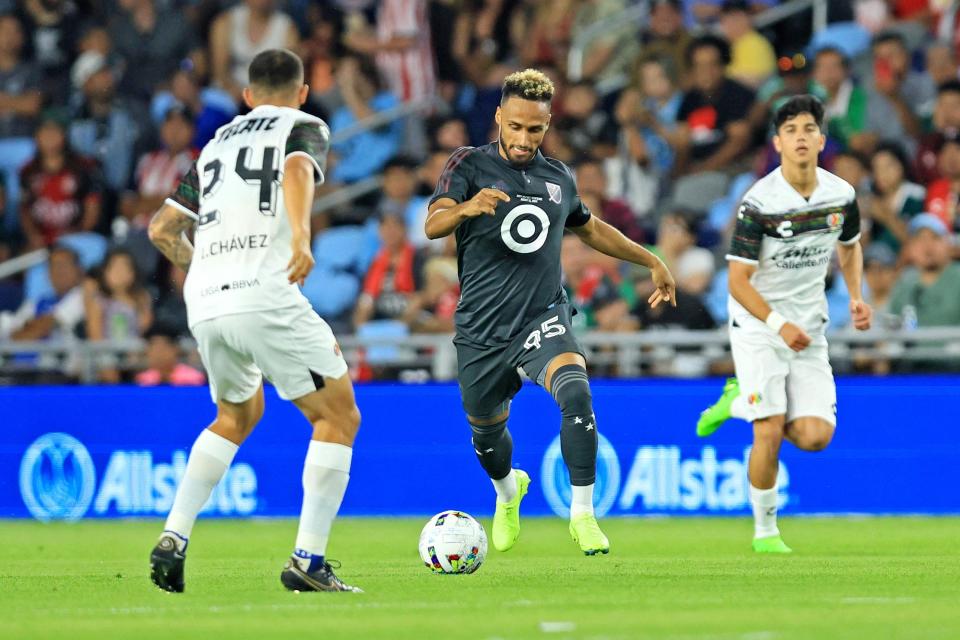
x=104, y=105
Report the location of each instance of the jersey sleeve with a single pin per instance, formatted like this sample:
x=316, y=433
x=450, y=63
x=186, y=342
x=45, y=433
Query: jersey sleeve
x=747, y=236
x=455, y=180
x=187, y=196
x=851, y=223
x=579, y=215
x=310, y=139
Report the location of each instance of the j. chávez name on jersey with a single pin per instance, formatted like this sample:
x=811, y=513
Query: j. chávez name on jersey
x=509, y=263
x=791, y=240
x=233, y=191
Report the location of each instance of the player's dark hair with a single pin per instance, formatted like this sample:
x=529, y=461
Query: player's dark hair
x=950, y=86
x=890, y=36
x=276, y=70
x=528, y=84
x=896, y=150
x=795, y=106
x=708, y=41
x=844, y=60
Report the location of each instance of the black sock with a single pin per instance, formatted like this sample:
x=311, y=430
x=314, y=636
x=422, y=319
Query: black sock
x=494, y=448
x=578, y=429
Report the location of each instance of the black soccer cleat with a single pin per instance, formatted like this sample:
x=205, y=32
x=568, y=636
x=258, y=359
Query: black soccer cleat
x=323, y=579
x=166, y=565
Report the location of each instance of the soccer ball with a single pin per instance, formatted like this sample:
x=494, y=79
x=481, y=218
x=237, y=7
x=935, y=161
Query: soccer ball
x=453, y=542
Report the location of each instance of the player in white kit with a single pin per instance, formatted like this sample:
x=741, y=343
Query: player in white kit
x=787, y=227
x=247, y=199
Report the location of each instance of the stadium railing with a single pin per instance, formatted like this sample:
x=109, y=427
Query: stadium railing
x=676, y=353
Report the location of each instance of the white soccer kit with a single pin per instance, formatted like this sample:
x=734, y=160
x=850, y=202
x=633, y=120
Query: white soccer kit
x=245, y=314
x=791, y=240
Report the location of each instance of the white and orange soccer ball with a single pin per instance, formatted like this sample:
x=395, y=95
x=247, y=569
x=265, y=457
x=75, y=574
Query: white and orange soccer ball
x=453, y=542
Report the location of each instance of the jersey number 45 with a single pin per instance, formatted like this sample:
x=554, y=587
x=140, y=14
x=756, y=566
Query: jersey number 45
x=548, y=329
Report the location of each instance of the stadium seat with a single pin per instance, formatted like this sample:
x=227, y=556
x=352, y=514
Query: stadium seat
x=380, y=354
x=848, y=37
x=343, y=249
x=720, y=212
x=331, y=292
x=715, y=298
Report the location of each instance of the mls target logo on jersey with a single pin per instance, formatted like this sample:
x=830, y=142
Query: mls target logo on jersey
x=553, y=191
x=525, y=228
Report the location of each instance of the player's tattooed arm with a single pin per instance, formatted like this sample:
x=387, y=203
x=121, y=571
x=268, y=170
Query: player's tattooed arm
x=167, y=232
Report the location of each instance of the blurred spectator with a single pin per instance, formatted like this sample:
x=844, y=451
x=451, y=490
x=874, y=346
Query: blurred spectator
x=592, y=189
x=752, y=57
x=447, y=133
x=880, y=277
x=945, y=121
x=238, y=34
x=941, y=63
x=854, y=116
x=400, y=192
x=714, y=131
x=607, y=55
x=157, y=175
x=363, y=155
x=942, y=194
x=665, y=36
x=794, y=78
x=896, y=198
x=929, y=294
x=910, y=92
x=587, y=128
x=632, y=175
x=54, y=28
x=547, y=35
x=61, y=191
x=55, y=316
x=20, y=101
x=152, y=39
x=594, y=294
x=103, y=127
x=705, y=12
x=401, y=44
x=163, y=362
x=212, y=108
x=392, y=278
x=854, y=168
x=692, y=266
x=653, y=109
x=118, y=307
x=432, y=309
x=320, y=51
x=171, y=310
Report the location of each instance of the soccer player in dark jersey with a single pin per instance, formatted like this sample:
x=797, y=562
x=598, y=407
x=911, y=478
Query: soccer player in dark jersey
x=509, y=206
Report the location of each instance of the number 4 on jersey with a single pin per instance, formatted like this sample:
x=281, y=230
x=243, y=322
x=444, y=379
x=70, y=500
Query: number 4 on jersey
x=267, y=176
x=548, y=329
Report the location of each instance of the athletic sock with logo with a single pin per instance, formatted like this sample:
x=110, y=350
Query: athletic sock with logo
x=326, y=473
x=209, y=460
x=764, y=511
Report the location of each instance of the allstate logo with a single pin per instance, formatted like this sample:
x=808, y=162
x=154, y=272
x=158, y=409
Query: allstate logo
x=57, y=478
x=556, y=478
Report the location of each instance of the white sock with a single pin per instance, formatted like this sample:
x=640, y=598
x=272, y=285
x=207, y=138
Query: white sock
x=581, y=501
x=764, y=512
x=209, y=459
x=738, y=408
x=506, y=487
x=326, y=473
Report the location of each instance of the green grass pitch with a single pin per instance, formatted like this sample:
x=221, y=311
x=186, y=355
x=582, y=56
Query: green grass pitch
x=665, y=578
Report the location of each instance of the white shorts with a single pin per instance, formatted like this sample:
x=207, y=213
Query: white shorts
x=293, y=347
x=775, y=380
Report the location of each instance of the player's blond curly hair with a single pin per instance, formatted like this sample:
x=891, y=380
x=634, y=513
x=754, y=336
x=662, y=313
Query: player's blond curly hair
x=528, y=84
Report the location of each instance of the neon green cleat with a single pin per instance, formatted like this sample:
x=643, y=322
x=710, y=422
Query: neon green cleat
x=586, y=533
x=506, y=519
x=771, y=544
x=714, y=416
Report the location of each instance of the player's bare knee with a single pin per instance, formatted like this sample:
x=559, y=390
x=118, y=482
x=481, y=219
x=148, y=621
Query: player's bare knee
x=812, y=435
x=768, y=432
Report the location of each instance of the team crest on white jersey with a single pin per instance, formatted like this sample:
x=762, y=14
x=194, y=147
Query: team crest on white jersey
x=553, y=191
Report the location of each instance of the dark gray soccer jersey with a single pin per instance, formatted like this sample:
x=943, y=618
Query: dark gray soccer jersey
x=509, y=263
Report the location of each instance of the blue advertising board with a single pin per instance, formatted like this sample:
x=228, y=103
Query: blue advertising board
x=101, y=452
